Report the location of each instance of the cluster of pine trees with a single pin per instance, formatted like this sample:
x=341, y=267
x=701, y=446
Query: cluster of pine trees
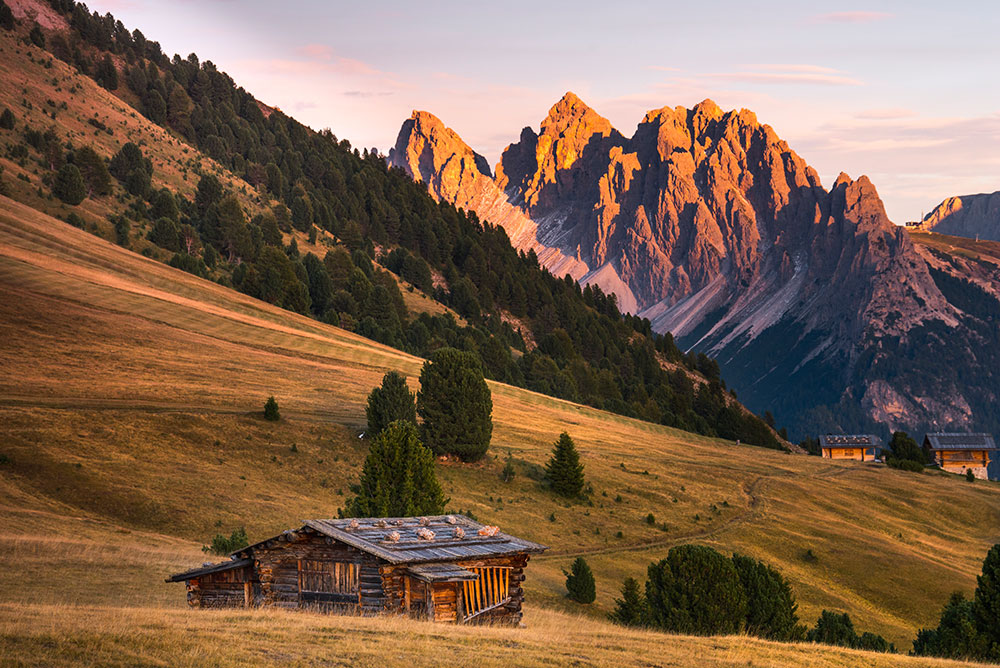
x=696, y=590
x=586, y=350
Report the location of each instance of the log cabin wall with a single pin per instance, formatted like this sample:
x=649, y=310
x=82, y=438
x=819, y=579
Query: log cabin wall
x=226, y=589
x=446, y=601
x=278, y=567
x=510, y=612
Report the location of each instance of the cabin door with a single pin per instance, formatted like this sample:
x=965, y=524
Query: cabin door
x=332, y=586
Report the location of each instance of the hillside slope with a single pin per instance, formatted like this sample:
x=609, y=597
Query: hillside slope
x=131, y=399
x=708, y=224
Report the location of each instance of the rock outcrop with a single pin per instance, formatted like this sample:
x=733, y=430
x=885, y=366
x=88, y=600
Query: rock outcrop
x=707, y=223
x=972, y=216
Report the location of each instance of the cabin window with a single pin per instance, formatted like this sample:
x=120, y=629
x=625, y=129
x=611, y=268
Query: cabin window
x=328, y=581
x=490, y=590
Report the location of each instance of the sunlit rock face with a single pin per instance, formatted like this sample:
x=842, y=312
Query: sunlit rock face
x=972, y=216
x=707, y=223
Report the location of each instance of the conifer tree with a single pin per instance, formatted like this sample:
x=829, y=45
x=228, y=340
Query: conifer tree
x=7, y=20
x=69, y=185
x=564, y=470
x=94, y=171
x=398, y=477
x=271, y=410
x=986, y=603
x=455, y=405
x=630, y=609
x=390, y=402
x=7, y=119
x=771, y=607
x=695, y=590
x=580, y=586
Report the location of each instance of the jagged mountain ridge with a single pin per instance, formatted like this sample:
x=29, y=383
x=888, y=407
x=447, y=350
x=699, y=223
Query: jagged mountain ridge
x=707, y=223
x=972, y=216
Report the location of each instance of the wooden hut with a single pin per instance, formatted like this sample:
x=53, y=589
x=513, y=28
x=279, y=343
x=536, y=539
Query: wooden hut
x=860, y=447
x=446, y=568
x=959, y=453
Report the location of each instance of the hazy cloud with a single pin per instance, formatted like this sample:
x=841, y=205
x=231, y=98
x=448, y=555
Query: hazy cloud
x=851, y=17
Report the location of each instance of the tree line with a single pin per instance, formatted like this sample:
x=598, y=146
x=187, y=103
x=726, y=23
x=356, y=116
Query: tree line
x=587, y=351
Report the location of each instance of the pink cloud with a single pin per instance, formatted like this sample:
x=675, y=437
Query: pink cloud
x=816, y=78
x=851, y=17
x=316, y=51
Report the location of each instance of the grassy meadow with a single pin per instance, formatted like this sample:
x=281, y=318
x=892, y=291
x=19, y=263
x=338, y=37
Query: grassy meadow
x=131, y=433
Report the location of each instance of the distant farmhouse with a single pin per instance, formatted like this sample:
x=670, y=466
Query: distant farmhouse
x=861, y=447
x=445, y=568
x=958, y=453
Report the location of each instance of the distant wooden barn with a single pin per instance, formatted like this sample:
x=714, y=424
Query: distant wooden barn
x=445, y=568
x=861, y=447
x=959, y=453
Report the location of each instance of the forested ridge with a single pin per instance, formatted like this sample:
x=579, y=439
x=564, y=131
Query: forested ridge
x=575, y=343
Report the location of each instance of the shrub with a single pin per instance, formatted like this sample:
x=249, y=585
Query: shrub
x=455, y=405
x=390, y=402
x=580, y=586
x=838, y=629
x=771, y=607
x=398, y=479
x=271, y=410
x=508, y=472
x=695, y=590
x=69, y=185
x=904, y=464
x=225, y=545
x=956, y=635
x=564, y=470
x=650, y=519
x=904, y=447
x=970, y=476
x=630, y=609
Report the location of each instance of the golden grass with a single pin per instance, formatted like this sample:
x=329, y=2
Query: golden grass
x=45, y=635
x=130, y=400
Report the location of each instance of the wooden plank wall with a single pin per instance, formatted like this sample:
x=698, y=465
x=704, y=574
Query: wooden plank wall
x=277, y=566
x=226, y=589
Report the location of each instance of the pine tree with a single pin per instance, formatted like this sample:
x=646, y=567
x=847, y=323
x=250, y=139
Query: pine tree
x=630, y=609
x=564, y=470
x=398, y=477
x=69, y=185
x=271, y=410
x=37, y=37
x=94, y=171
x=7, y=118
x=771, y=607
x=580, y=586
x=956, y=635
x=390, y=402
x=986, y=603
x=695, y=590
x=455, y=405
x=7, y=20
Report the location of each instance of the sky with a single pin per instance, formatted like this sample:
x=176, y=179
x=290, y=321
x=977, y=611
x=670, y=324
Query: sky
x=905, y=92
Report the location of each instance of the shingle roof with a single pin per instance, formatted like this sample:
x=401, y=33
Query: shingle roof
x=957, y=441
x=849, y=440
x=211, y=568
x=375, y=536
x=441, y=573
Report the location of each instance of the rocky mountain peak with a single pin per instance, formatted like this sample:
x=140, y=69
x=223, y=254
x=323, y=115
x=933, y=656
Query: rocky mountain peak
x=708, y=224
